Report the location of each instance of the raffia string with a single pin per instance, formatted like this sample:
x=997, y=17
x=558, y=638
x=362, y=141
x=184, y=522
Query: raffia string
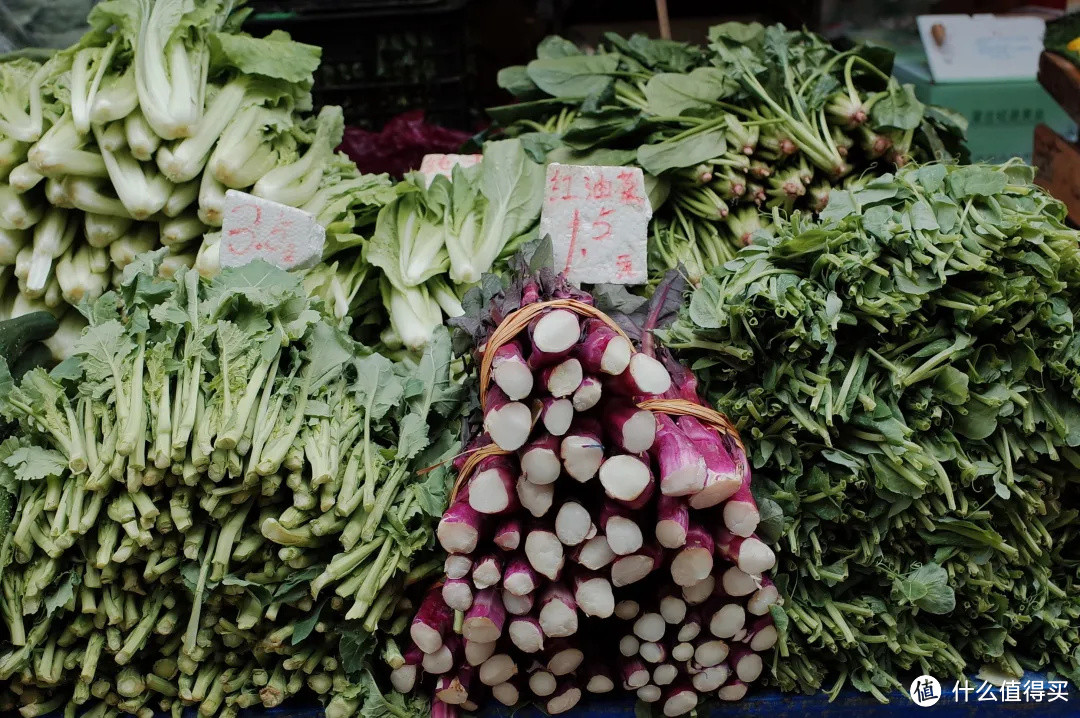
x=517, y=321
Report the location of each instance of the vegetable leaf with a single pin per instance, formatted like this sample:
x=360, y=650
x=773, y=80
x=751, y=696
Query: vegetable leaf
x=306, y=625
x=573, y=75
x=354, y=646
x=34, y=463
x=928, y=588
x=686, y=152
x=276, y=55
x=675, y=93
x=900, y=108
x=64, y=591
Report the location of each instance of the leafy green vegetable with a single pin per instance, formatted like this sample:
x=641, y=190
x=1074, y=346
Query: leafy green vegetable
x=575, y=76
x=905, y=375
x=435, y=240
x=761, y=118
x=230, y=481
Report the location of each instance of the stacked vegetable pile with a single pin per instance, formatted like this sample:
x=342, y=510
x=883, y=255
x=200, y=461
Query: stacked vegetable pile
x=215, y=502
x=443, y=233
x=577, y=507
x=763, y=117
x=128, y=141
x=907, y=370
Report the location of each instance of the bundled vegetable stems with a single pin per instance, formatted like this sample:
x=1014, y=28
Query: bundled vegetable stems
x=129, y=139
x=215, y=502
x=550, y=540
x=915, y=423
x=761, y=118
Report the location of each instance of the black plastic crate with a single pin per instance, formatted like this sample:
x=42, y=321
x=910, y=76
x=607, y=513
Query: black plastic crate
x=338, y=6
x=383, y=58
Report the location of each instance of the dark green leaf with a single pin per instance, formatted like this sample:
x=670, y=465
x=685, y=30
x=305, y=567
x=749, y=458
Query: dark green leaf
x=687, y=152
x=296, y=586
x=976, y=181
x=673, y=93
x=554, y=46
x=355, y=646
x=515, y=80
x=737, y=33
x=63, y=590
x=306, y=625
x=574, y=75
x=899, y=109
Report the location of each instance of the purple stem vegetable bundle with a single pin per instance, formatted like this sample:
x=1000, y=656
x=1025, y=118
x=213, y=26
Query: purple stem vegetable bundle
x=593, y=514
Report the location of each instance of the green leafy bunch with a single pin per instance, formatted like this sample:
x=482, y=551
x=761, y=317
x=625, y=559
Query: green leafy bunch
x=905, y=372
x=761, y=117
x=219, y=500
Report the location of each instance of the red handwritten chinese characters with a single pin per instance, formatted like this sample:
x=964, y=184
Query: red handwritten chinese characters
x=597, y=218
x=439, y=164
x=256, y=228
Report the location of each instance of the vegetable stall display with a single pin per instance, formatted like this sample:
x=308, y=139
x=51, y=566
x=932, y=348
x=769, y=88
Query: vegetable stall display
x=129, y=140
x=905, y=373
x=761, y=118
x=218, y=502
x=599, y=498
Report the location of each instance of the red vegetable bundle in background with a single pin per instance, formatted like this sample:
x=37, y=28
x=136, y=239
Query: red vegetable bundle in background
x=598, y=498
x=400, y=145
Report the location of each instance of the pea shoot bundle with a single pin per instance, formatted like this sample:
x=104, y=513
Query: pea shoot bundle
x=215, y=502
x=907, y=370
x=761, y=117
x=584, y=511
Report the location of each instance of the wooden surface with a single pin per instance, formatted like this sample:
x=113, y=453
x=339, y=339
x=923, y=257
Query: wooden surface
x=1061, y=79
x=1058, y=163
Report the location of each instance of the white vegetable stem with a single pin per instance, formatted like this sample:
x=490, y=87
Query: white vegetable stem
x=558, y=612
x=507, y=422
x=476, y=652
x=562, y=379
x=556, y=414
x=573, y=523
x=491, y=489
x=624, y=477
x=540, y=460
x=510, y=371
x=545, y=553
x=553, y=335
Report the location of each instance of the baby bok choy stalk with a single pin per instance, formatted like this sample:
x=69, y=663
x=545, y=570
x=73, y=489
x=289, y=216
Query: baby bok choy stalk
x=294, y=184
x=509, y=183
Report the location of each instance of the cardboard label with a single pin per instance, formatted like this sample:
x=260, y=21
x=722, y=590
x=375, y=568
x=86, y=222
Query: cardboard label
x=598, y=219
x=444, y=165
x=257, y=228
x=963, y=48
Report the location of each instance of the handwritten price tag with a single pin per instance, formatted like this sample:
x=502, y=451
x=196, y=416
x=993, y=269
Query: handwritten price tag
x=257, y=228
x=433, y=165
x=598, y=220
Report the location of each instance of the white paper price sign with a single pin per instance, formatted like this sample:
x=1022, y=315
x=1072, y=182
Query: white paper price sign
x=257, y=228
x=597, y=218
x=439, y=164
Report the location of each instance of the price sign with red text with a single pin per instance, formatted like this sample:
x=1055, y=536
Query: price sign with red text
x=257, y=228
x=440, y=164
x=598, y=219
